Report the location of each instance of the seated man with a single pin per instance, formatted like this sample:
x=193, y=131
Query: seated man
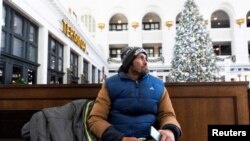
x=132, y=101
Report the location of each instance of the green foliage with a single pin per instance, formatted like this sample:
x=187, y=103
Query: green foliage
x=19, y=81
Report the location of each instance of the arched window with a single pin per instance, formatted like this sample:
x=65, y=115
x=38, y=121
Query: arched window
x=220, y=19
x=177, y=20
x=248, y=19
x=151, y=21
x=118, y=22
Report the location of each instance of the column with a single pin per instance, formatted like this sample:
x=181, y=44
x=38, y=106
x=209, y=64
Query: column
x=168, y=42
x=66, y=63
x=80, y=69
x=135, y=34
x=42, y=71
x=240, y=44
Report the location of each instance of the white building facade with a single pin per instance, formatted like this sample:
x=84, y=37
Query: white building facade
x=152, y=25
x=41, y=43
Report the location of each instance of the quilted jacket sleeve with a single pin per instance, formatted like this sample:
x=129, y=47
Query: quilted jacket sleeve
x=166, y=115
x=97, y=120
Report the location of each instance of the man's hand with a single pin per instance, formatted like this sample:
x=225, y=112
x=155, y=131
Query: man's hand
x=167, y=135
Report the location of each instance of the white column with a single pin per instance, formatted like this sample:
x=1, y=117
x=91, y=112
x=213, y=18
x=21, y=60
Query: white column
x=90, y=73
x=80, y=68
x=102, y=39
x=66, y=62
x=240, y=44
x=135, y=35
x=42, y=71
x=168, y=42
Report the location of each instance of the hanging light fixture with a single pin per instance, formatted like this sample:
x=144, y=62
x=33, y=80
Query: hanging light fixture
x=169, y=24
x=101, y=25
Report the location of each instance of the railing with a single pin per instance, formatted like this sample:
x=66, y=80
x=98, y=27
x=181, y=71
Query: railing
x=150, y=60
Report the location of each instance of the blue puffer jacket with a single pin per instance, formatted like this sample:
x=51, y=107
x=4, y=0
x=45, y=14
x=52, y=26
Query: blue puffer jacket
x=134, y=103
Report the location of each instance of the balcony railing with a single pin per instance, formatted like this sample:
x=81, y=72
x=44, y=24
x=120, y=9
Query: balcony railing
x=150, y=60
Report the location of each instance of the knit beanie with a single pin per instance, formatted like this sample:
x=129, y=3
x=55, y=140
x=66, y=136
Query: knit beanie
x=128, y=54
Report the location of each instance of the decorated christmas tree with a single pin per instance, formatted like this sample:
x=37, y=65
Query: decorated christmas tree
x=194, y=59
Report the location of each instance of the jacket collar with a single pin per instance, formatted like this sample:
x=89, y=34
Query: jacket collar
x=123, y=75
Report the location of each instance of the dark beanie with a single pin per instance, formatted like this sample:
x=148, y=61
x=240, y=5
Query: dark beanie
x=128, y=54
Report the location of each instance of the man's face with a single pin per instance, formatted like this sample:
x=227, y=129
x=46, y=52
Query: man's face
x=140, y=64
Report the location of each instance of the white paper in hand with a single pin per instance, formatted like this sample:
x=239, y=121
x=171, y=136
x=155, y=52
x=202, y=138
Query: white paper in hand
x=155, y=134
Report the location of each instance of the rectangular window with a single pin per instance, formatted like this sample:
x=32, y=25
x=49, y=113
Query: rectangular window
x=157, y=26
x=146, y=26
x=33, y=34
x=60, y=65
x=18, y=47
x=150, y=51
x=86, y=71
x=3, y=41
x=74, y=68
x=99, y=76
x=60, y=57
x=32, y=54
x=3, y=16
x=118, y=26
x=19, y=34
x=225, y=49
x=53, y=47
x=113, y=27
x=124, y=27
x=18, y=25
x=151, y=26
x=93, y=74
x=55, y=60
x=222, y=48
x=16, y=41
x=115, y=52
x=60, y=51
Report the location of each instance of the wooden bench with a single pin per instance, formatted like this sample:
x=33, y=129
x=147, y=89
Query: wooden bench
x=196, y=104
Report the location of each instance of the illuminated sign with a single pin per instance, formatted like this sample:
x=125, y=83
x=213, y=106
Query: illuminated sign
x=70, y=32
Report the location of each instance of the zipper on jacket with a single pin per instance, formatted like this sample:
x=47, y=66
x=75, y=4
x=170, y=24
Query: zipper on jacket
x=137, y=84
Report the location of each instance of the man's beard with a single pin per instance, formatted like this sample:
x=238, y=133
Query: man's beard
x=139, y=72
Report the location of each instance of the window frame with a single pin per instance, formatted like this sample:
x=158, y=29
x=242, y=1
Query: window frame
x=55, y=75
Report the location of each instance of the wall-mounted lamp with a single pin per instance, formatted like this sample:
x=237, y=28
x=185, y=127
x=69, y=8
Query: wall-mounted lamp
x=101, y=25
x=240, y=21
x=135, y=25
x=169, y=24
